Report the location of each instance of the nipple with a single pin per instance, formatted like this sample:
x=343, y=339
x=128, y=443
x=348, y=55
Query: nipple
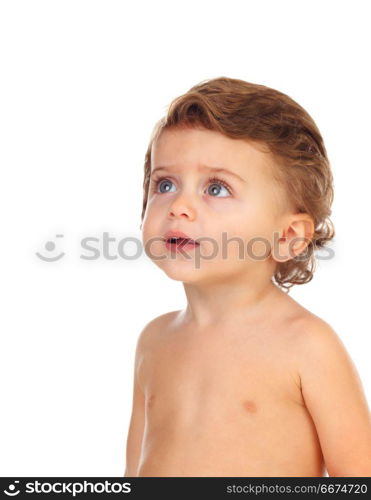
x=249, y=406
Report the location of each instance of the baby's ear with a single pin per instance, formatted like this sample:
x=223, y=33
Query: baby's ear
x=296, y=236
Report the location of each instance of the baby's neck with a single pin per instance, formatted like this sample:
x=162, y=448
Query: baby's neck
x=206, y=310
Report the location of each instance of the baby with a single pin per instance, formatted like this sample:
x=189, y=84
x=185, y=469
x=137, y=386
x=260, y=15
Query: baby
x=244, y=381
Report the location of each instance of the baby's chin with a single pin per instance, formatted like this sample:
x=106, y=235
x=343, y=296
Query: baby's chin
x=186, y=270
x=191, y=272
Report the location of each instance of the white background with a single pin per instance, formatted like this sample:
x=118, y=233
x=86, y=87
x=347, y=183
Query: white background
x=82, y=84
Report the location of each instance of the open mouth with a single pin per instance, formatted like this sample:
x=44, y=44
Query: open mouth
x=181, y=241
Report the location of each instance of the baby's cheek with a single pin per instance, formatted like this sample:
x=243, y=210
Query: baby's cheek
x=149, y=228
x=252, y=233
x=223, y=205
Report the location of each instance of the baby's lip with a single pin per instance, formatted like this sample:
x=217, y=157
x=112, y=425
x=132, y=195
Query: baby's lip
x=179, y=234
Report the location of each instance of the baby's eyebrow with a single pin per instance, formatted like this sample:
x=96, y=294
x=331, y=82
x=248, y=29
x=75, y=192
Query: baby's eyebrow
x=205, y=167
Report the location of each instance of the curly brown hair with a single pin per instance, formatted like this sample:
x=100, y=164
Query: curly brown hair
x=244, y=110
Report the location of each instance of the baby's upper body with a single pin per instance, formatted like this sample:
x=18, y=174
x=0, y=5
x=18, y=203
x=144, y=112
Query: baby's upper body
x=274, y=397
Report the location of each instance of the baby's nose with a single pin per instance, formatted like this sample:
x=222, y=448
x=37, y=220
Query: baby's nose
x=182, y=208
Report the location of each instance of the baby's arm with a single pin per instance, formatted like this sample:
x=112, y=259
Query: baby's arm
x=334, y=396
x=135, y=433
x=137, y=421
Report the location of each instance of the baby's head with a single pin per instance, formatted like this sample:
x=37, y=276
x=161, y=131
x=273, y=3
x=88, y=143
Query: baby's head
x=274, y=193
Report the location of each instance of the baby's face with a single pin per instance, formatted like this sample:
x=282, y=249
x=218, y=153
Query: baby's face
x=243, y=201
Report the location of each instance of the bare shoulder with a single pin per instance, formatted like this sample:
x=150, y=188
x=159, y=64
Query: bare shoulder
x=305, y=328
x=310, y=339
x=148, y=339
x=313, y=332
x=316, y=343
x=153, y=329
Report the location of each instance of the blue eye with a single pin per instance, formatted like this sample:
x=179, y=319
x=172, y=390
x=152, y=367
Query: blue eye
x=161, y=185
x=218, y=189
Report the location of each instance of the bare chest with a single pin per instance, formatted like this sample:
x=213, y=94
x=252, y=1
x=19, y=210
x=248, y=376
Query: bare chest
x=225, y=405
x=213, y=379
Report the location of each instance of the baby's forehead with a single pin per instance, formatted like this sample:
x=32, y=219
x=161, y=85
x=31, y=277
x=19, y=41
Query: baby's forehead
x=193, y=149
